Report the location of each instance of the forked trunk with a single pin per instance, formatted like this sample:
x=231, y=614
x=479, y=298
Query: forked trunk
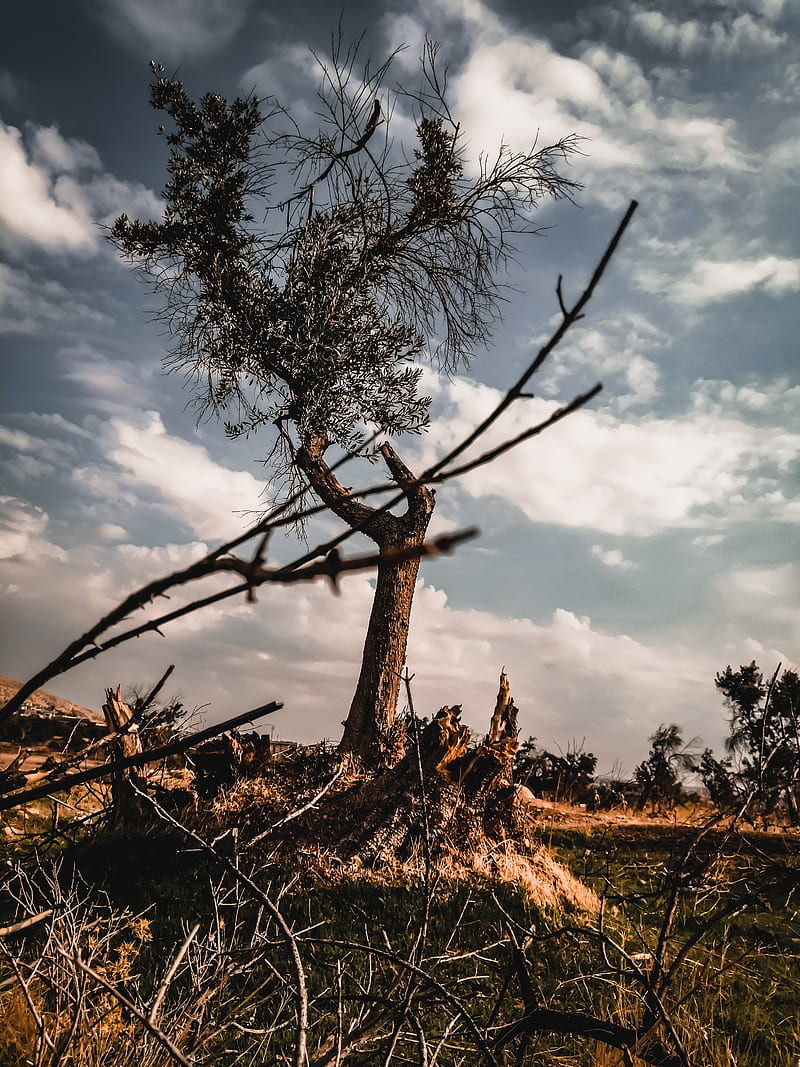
x=372, y=738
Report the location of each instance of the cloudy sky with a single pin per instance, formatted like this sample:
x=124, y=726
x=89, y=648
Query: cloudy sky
x=624, y=558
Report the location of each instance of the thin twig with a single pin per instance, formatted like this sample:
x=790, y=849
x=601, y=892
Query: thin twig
x=301, y=993
x=298, y=811
x=157, y=1033
x=165, y=981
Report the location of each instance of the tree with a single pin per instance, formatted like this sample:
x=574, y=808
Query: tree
x=313, y=325
x=564, y=776
x=764, y=733
x=659, y=774
x=718, y=779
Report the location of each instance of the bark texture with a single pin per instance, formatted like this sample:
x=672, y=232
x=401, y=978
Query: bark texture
x=124, y=741
x=444, y=794
x=373, y=739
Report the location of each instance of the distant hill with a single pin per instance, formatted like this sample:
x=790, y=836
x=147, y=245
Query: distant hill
x=43, y=701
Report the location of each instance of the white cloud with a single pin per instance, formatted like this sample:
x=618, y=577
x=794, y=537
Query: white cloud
x=33, y=304
x=514, y=85
x=33, y=456
x=112, y=386
x=22, y=527
x=620, y=475
x=53, y=191
x=30, y=209
x=177, y=30
x=57, y=154
x=709, y=281
x=612, y=349
x=762, y=599
x=112, y=531
x=194, y=488
x=704, y=541
x=612, y=557
x=741, y=33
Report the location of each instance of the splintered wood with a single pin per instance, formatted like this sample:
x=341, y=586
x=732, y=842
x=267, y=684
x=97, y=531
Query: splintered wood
x=124, y=741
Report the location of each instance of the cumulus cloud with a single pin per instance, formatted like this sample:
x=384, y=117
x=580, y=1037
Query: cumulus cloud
x=612, y=557
x=597, y=470
x=53, y=191
x=709, y=281
x=717, y=37
x=22, y=528
x=211, y=500
x=32, y=206
x=515, y=85
x=178, y=30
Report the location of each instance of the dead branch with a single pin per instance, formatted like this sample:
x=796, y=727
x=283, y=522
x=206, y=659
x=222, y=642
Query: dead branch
x=301, y=993
x=116, y=992
x=140, y=759
x=25, y=924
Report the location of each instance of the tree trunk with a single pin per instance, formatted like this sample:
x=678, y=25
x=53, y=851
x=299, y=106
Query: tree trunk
x=371, y=735
x=372, y=738
x=127, y=811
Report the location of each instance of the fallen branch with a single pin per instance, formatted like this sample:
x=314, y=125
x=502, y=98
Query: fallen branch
x=141, y=759
x=25, y=924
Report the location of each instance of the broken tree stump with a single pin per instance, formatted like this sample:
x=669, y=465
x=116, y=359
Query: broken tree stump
x=124, y=740
x=445, y=794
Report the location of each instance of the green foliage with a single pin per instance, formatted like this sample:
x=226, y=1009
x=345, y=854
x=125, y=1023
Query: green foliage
x=314, y=319
x=718, y=779
x=566, y=776
x=659, y=774
x=764, y=733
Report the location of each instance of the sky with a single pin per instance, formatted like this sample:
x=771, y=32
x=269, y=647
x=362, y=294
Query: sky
x=625, y=557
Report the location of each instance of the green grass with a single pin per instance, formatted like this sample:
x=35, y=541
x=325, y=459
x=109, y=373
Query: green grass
x=734, y=1000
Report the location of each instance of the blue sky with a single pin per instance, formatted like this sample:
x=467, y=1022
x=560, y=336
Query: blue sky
x=625, y=557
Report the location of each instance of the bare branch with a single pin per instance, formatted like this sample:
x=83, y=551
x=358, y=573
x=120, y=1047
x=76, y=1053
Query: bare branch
x=146, y=1022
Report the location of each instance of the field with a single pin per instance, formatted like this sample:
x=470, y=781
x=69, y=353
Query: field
x=402, y=966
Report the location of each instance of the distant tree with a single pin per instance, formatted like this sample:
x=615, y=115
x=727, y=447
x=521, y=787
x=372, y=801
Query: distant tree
x=565, y=775
x=311, y=325
x=765, y=733
x=719, y=779
x=659, y=776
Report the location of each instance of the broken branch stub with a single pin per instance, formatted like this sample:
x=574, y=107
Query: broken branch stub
x=468, y=790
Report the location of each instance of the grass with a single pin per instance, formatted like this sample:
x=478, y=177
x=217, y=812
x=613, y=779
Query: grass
x=734, y=998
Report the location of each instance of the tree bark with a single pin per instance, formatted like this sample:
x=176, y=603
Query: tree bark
x=370, y=731
x=127, y=811
x=372, y=737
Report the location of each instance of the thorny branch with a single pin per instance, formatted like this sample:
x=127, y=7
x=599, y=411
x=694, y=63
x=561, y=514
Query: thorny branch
x=323, y=560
